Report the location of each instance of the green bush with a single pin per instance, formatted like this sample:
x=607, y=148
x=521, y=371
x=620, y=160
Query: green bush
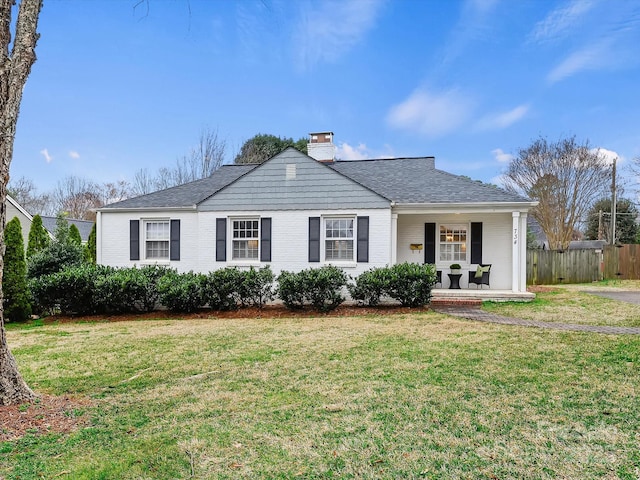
x=221, y=289
x=70, y=291
x=256, y=287
x=182, y=292
x=14, y=276
x=90, y=247
x=369, y=286
x=129, y=290
x=411, y=283
x=74, y=234
x=38, y=236
x=320, y=287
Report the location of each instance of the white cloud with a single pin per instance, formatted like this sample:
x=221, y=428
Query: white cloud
x=608, y=155
x=502, y=120
x=560, y=20
x=502, y=156
x=593, y=57
x=73, y=154
x=344, y=151
x=328, y=29
x=45, y=153
x=431, y=114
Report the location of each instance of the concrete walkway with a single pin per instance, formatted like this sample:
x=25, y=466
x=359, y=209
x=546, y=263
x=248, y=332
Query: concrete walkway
x=475, y=313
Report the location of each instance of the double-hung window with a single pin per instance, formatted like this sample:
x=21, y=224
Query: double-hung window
x=156, y=239
x=246, y=239
x=338, y=239
x=453, y=243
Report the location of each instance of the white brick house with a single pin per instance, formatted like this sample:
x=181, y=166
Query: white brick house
x=294, y=212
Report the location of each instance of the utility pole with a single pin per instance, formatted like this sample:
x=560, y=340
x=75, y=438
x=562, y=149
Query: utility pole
x=600, y=224
x=613, y=204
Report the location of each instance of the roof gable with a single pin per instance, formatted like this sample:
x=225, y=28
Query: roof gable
x=290, y=181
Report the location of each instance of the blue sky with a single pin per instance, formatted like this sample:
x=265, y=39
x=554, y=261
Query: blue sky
x=119, y=87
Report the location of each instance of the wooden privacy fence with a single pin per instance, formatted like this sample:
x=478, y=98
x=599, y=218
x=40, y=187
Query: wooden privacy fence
x=549, y=267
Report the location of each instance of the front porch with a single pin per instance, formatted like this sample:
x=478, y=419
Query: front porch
x=471, y=295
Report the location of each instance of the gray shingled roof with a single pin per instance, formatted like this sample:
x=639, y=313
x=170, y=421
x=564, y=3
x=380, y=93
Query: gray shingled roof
x=416, y=180
x=402, y=180
x=189, y=194
x=84, y=226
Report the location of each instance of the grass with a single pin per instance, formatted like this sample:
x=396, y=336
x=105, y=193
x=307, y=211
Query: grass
x=406, y=396
x=571, y=304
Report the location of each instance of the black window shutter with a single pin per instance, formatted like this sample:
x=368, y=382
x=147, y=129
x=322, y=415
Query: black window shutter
x=476, y=242
x=363, y=239
x=134, y=239
x=314, y=239
x=221, y=239
x=265, y=239
x=174, y=244
x=429, y=243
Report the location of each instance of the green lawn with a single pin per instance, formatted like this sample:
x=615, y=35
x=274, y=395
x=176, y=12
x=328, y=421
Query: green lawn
x=406, y=396
x=571, y=304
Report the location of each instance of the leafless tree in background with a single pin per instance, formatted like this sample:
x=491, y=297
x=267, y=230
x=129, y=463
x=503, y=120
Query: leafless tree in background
x=24, y=191
x=565, y=177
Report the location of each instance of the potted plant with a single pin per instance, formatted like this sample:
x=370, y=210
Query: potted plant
x=455, y=268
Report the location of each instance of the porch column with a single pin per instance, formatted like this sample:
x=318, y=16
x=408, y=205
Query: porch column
x=99, y=238
x=515, y=252
x=523, y=253
x=394, y=239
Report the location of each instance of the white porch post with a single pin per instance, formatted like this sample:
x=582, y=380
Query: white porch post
x=515, y=255
x=394, y=239
x=523, y=253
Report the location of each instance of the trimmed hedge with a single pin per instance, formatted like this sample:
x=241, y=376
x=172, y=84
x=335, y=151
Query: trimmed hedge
x=319, y=287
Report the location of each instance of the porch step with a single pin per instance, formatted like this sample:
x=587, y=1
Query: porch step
x=457, y=301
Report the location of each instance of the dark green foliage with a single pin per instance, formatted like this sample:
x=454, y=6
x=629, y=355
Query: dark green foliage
x=262, y=147
x=320, y=287
x=90, y=248
x=411, y=283
x=182, y=292
x=256, y=287
x=14, y=276
x=38, y=236
x=60, y=253
x=74, y=235
x=221, y=289
x=627, y=229
x=129, y=290
x=71, y=291
x=369, y=286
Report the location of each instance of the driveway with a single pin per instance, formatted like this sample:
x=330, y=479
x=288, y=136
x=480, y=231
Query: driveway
x=629, y=296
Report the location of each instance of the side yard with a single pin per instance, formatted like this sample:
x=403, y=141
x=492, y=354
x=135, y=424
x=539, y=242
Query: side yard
x=414, y=395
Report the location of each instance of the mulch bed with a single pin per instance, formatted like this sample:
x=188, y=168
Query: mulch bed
x=49, y=414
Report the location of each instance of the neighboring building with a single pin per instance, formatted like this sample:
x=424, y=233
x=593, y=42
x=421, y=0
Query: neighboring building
x=14, y=209
x=294, y=212
x=84, y=226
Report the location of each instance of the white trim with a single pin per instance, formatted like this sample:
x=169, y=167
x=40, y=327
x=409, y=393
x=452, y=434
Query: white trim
x=323, y=238
x=19, y=207
x=476, y=207
x=242, y=261
x=394, y=238
x=143, y=234
x=515, y=256
x=463, y=263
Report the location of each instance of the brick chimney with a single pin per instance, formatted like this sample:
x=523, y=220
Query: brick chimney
x=321, y=147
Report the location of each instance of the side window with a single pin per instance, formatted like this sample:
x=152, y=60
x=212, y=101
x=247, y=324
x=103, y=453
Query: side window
x=246, y=239
x=156, y=239
x=338, y=239
x=453, y=243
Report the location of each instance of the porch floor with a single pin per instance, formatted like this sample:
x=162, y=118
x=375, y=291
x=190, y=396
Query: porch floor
x=473, y=296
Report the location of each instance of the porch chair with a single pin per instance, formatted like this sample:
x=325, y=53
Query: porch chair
x=480, y=276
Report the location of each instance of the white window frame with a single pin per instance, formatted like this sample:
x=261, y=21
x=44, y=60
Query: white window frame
x=146, y=240
x=447, y=258
x=353, y=238
x=232, y=243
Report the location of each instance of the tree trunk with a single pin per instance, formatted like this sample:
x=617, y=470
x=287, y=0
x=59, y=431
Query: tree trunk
x=14, y=71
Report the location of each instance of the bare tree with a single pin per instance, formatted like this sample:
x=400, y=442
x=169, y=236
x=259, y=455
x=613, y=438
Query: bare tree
x=24, y=191
x=16, y=61
x=565, y=177
x=77, y=197
x=204, y=159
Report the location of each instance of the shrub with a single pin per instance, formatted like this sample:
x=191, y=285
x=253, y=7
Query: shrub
x=291, y=289
x=321, y=287
x=369, y=286
x=38, y=236
x=70, y=290
x=74, y=234
x=182, y=292
x=256, y=287
x=221, y=289
x=54, y=258
x=129, y=290
x=411, y=283
x=90, y=247
x=14, y=276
